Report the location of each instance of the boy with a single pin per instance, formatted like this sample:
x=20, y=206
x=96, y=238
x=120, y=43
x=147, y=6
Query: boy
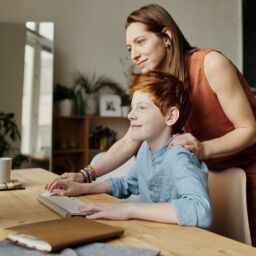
x=172, y=183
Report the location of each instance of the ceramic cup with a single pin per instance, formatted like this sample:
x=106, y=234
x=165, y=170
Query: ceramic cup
x=5, y=169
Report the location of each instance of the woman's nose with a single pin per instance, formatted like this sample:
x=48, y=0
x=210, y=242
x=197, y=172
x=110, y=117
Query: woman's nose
x=135, y=54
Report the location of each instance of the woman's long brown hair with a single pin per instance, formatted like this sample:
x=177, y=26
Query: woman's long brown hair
x=156, y=18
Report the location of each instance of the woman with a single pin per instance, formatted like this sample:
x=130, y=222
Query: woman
x=221, y=128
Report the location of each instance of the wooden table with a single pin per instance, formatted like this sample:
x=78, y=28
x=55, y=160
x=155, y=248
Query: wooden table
x=21, y=206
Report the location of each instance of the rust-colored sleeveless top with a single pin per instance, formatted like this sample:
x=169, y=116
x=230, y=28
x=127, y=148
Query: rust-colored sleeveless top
x=207, y=120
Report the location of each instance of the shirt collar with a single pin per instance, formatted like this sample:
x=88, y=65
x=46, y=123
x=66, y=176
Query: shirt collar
x=160, y=150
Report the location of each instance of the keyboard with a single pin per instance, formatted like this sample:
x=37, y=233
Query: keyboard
x=63, y=205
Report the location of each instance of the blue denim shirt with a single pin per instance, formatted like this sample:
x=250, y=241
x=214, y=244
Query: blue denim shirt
x=169, y=175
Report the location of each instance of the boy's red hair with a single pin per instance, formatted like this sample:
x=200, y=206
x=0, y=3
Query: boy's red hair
x=166, y=91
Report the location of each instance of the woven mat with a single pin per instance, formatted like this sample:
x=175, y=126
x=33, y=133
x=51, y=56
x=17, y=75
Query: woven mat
x=11, y=185
x=95, y=249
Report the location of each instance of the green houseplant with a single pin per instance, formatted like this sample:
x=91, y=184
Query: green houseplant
x=102, y=138
x=125, y=104
x=9, y=132
x=61, y=92
x=92, y=85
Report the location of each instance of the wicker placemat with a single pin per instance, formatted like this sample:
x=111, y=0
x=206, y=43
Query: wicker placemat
x=11, y=185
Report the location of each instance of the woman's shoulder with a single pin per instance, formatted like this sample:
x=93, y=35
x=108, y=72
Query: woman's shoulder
x=217, y=65
x=200, y=53
x=215, y=59
x=208, y=62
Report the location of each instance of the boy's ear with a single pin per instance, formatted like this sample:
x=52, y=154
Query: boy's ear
x=172, y=116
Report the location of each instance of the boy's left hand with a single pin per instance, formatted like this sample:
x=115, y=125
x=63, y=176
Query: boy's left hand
x=110, y=211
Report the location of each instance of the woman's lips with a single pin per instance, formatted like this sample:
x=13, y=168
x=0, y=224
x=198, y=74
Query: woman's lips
x=141, y=63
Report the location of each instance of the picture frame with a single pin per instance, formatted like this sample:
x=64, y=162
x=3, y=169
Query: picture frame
x=110, y=105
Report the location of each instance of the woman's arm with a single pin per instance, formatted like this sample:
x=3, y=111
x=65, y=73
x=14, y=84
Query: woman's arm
x=118, y=154
x=223, y=80
x=70, y=188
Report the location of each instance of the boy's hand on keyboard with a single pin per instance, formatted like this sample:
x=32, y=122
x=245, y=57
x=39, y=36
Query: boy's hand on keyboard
x=48, y=193
x=67, y=176
x=110, y=211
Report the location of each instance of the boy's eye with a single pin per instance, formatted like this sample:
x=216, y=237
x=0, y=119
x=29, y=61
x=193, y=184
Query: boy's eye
x=129, y=49
x=141, y=107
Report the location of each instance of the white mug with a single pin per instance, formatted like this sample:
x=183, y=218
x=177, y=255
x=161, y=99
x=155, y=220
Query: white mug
x=5, y=169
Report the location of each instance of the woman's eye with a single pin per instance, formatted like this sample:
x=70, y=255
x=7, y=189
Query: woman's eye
x=141, y=41
x=141, y=108
x=129, y=49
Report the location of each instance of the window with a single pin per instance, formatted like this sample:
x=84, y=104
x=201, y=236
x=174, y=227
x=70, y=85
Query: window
x=37, y=90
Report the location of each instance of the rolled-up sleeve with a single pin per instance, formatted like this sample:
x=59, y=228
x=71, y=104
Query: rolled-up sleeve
x=123, y=187
x=192, y=207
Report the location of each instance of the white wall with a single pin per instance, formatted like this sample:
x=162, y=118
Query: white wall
x=89, y=34
x=90, y=37
x=12, y=45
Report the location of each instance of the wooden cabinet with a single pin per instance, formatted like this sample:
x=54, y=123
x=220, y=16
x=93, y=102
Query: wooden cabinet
x=71, y=149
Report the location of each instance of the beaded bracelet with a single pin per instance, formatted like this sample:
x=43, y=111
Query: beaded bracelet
x=85, y=175
x=89, y=174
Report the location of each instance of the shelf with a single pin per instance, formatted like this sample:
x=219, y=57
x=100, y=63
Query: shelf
x=77, y=129
x=69, y=117
x=107, y=117
x=38, y=159
x=91, y=117
x=68, y=151
x=96, y=151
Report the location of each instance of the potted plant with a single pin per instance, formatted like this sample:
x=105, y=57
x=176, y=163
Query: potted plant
x=10, y=132
x=128, y=70
x=102, y=138
x=92, y=85
x=125, y=104
x=63, y=98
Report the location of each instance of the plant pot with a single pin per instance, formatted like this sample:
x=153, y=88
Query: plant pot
x=125, y=110
x=91, y=104
x=103, y=143
x=64, y=107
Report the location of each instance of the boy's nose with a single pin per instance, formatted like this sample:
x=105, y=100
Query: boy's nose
x=131, y=115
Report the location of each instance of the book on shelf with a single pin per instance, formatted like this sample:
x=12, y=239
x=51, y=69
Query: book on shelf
x=55, y=235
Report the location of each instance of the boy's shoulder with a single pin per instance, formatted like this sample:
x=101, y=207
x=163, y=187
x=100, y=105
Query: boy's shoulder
x=178, y=153
x=179, y=150
x=182, y=162
x=171, y=152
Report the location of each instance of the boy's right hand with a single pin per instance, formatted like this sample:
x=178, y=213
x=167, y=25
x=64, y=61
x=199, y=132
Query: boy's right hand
x=67, y=176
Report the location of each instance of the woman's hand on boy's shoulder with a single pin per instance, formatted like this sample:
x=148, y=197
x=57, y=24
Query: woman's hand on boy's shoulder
x=189, y=142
